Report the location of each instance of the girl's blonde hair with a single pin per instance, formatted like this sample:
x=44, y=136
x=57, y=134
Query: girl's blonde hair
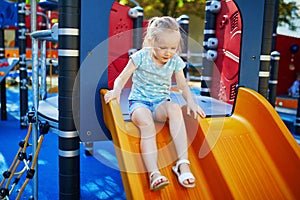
x=158, y=25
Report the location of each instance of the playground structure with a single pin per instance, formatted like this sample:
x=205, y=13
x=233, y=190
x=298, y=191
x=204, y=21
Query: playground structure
x=234, y=157
x=12, y=175
x=35, y=125
x=46, y=17
x=96, y=121
x=15, y=21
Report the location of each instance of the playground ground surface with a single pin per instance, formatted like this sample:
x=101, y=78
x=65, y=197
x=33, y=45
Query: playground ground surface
x=97, y=180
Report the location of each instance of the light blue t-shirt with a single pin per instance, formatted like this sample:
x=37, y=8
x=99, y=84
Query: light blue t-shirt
x=150, y=82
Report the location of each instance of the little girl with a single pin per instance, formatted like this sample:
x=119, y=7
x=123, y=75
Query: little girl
x=149, y=100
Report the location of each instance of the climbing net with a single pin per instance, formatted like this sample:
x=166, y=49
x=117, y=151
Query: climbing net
x=12, y=175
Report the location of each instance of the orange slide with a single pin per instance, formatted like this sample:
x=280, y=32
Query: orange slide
x=249, y=155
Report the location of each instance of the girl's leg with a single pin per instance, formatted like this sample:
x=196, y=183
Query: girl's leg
x=142, y=118
x=172, y=112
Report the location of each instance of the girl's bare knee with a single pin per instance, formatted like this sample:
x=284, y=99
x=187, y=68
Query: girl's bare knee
x=174, y=111
x=142, y=117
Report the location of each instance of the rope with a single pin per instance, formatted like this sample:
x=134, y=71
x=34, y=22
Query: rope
x=22, y=156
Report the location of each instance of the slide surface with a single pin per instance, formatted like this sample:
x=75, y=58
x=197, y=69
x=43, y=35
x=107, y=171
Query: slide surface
x=249, y=155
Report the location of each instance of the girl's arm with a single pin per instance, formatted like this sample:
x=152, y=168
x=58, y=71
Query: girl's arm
x=187, y=95
x=120, y=82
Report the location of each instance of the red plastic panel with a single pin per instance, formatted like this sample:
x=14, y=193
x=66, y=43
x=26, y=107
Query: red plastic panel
x=120, y=41
x=228, y=33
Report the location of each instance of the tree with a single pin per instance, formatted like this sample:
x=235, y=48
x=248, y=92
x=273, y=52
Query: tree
x=170, y=7
x=287, y=12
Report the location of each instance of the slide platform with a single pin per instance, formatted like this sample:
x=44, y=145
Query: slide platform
x=248, y=155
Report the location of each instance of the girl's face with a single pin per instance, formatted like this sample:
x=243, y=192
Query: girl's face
x=165, y=47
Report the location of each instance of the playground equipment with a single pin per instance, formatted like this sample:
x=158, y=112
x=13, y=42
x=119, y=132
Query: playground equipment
x=14, y=176
x=6, y=18
x=13, y=12
x=15, y=16
x=89, y=121
x=94, y=53
x=239, y=156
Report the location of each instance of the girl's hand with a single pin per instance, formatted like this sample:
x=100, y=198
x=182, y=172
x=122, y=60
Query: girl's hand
x=112, y=94
x=196, y=109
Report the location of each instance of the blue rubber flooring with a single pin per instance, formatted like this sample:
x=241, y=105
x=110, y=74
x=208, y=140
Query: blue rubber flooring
x=99, y=174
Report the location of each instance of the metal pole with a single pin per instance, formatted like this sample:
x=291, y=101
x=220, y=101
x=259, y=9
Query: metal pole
x=3, y=87
x=69, y=63
x=275, y=24
x=275, y=57
x=137, y=14
x=43, y=90
x=48, y=35
x=41, y=33
x=265, y=57
x=210, y=54
x=184, y=22
x=138, y=28
x=22, y=63
x=35, y=90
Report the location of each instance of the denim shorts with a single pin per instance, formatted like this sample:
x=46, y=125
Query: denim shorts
x=152, y=106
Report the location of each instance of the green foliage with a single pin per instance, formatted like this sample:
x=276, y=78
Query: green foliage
x=288, y=11
x=173, y=8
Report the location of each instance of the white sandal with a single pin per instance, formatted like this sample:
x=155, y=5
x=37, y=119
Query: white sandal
x=183, y=176
x=160, y=177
